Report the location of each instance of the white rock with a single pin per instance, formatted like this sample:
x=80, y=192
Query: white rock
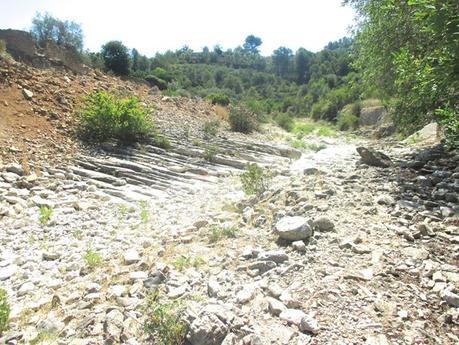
x=27, y=94
x=293, y=316
x=25, y=289
x=293, y=228
x=131, y=257
x=7, y=272
x=275, y=306
x=309, y=324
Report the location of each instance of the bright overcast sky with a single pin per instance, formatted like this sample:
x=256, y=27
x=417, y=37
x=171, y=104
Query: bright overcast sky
x=155, y=26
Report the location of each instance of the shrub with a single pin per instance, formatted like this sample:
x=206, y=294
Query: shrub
x=162, y=74
x=163, y=323
x=4, y=311
x=242, y=121
x=218, y=98
x=210, y=152
x=348, y=117
x=104, y=116
x=221, y=112
x=156, y=81
x=210, y=128
x=449, y=118
x=285, y=121
x=255, y=180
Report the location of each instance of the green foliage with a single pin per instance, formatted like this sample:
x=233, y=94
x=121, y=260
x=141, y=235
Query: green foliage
x=161, y=142
x=116, y=57
x=251, y=44
x=210, y=128
x=408, y=52
x=4, y=311
x=162, y=74
x=105, y=116
x=184, y=261
x=449, y=118
x=163, y=323
x=64, y=33
x=321, y=128
x=219, y=98
x=254, y=180
x=348, y=117
x=156, y=81
x=242, y=120
x=285, y=121
x=144, y=215
x=302, y=144
x=92, y=258
x=210, y=152
x=45, y=213
x=218, y=233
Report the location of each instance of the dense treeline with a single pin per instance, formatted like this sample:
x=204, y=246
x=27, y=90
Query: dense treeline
x=408, y=52
x=405, y=53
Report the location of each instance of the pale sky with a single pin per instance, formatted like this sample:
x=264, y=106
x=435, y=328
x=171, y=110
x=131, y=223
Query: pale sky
x=155, y=26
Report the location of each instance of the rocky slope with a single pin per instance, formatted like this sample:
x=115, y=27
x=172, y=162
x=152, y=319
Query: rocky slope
x=338, y=250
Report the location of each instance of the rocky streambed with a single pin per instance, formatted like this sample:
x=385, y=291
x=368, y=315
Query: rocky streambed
x=334, y=252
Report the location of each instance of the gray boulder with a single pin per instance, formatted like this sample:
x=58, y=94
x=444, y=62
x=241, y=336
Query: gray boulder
x=293, y=228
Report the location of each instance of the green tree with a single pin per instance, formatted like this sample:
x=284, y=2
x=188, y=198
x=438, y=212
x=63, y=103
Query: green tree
x=282, y=61
x=302, y=65
x=251, y=44
x=116, y=57
x=64, y=33
x=135, y=59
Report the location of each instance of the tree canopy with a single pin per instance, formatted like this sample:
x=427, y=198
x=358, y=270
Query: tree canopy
x=65, y=33
x=116, y=57
x=409, y=52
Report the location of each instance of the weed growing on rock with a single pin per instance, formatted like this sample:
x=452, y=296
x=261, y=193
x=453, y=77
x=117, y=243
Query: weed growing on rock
x=4, y=311
x=255, y=180
x=218, y=233
x=210, y=128
x=144, y=211
x=45, y=214
x=163, y=323
x=92, y=258
x=44, y=337
x=210, y=152
x=185, y=261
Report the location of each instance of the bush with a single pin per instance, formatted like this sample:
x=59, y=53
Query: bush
x=104, y=116
x=4, y=311
x=156, y=81
x=241, y=120
x=218, y=98
x=255, y=180
x=210, y=128
x=285, y=121
x=163, y=324
x=449, y=119
x=347, y=121
x=162, y=74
